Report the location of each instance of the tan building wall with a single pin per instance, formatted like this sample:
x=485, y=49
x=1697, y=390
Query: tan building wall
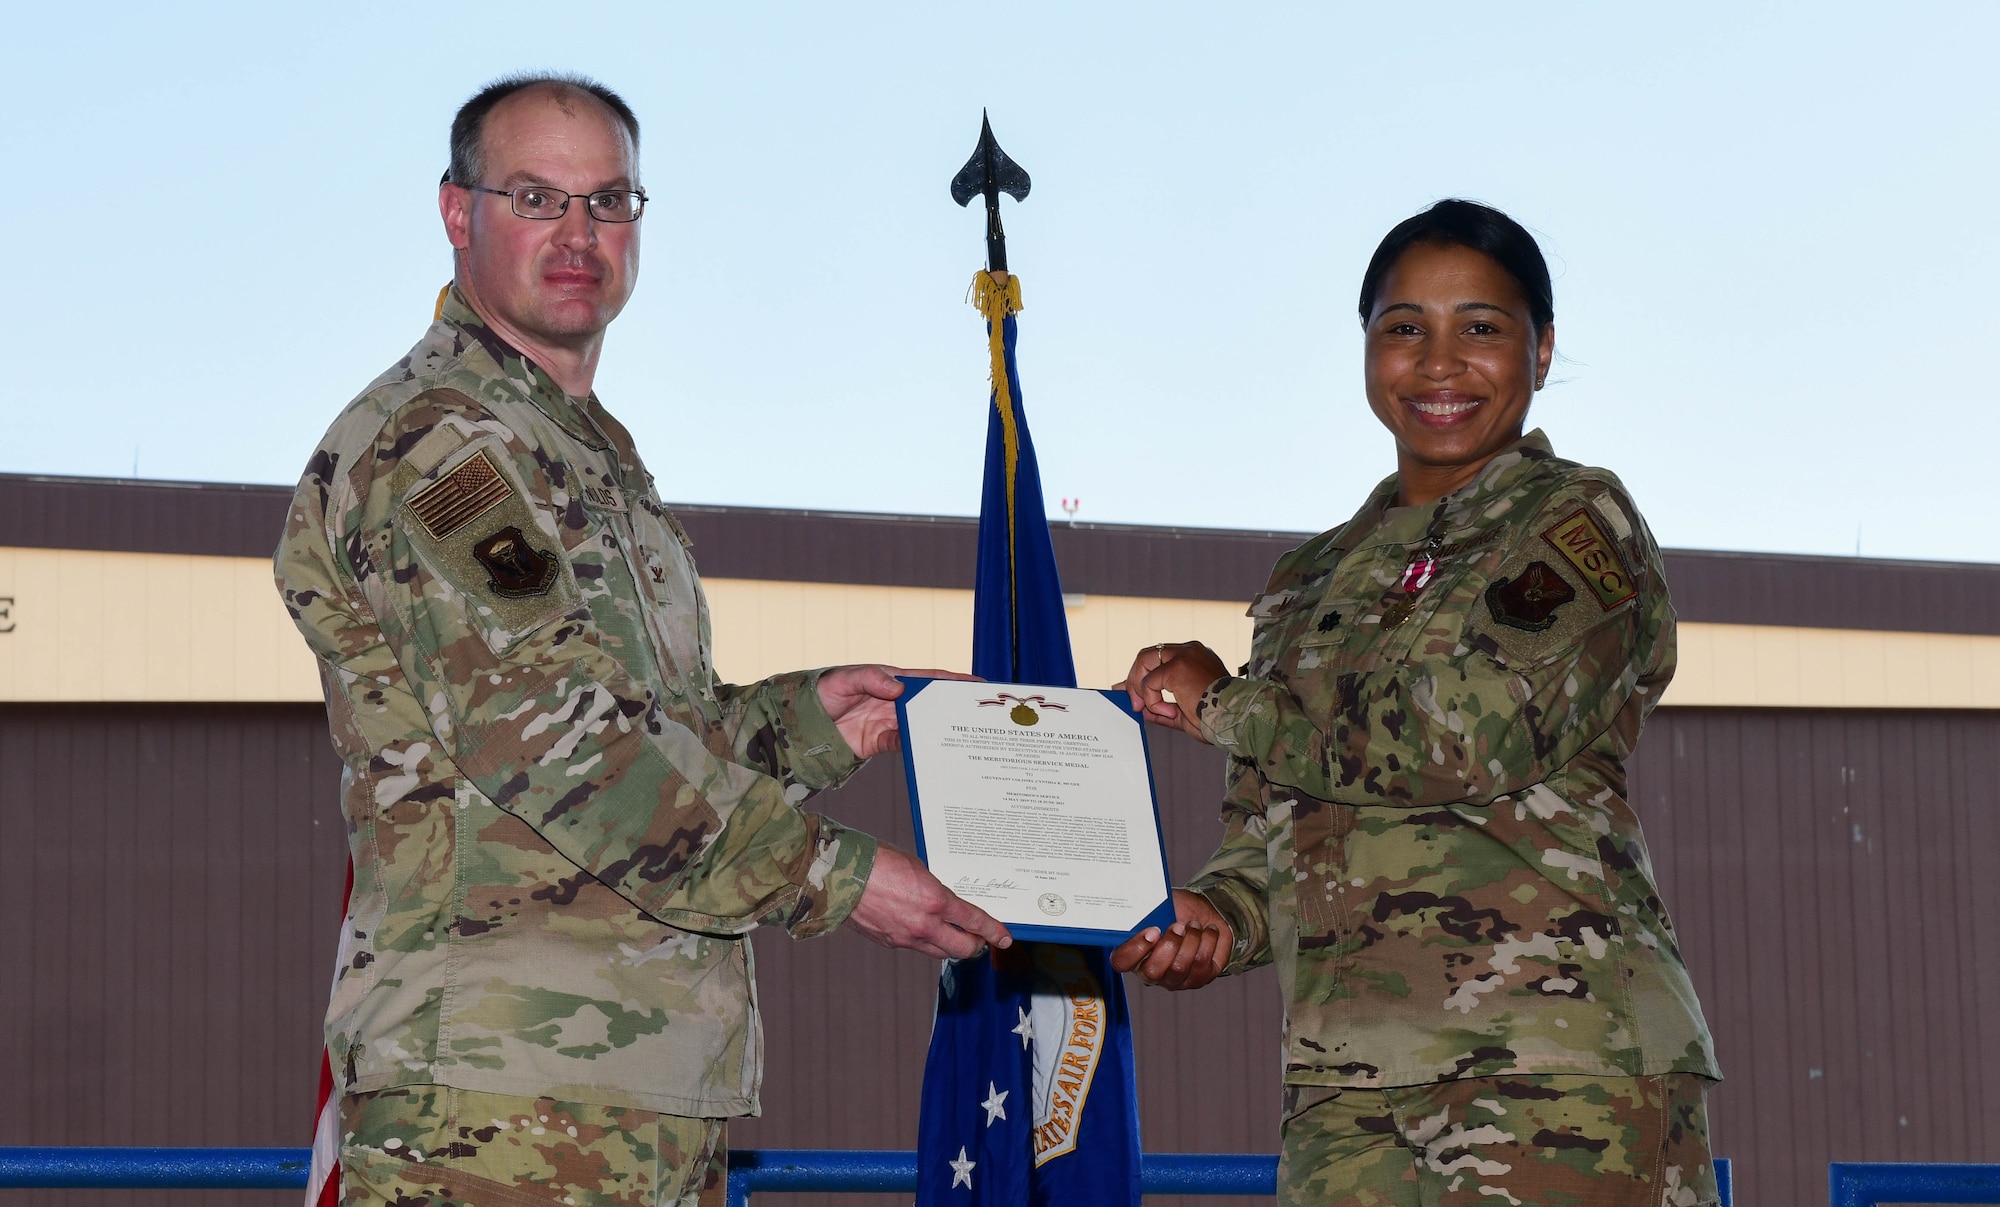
x=92, y=626
x=1766, y=666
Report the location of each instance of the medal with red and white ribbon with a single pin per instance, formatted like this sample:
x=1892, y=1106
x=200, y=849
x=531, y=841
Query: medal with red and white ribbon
x=1418, y=574
x=1422, y=568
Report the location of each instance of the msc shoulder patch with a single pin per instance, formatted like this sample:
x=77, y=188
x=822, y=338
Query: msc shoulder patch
x=1583, y=545
x=1528, y=601
x=460, y=497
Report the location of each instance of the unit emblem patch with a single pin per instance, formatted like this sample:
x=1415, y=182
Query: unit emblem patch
x=1529, y=600
x=460, y=497
x=515, y=568
x=1584, y=545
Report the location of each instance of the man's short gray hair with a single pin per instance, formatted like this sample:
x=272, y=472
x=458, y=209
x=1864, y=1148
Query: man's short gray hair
x=469, y=127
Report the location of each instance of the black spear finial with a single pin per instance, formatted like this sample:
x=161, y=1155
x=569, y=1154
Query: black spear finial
x=990, y=173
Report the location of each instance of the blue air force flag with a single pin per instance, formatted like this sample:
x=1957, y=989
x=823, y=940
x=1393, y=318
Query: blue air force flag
x=1029, y=1097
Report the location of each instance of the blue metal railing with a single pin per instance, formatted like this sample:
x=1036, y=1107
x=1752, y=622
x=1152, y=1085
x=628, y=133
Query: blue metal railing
x=1849, y=1184
x=155, y=1168
x=750, y=1170
x=819, y=1169
x=1868, y=1183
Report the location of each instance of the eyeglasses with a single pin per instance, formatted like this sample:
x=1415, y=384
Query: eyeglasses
x=545, y=204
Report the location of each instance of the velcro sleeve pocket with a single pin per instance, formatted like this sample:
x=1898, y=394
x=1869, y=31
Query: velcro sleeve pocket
x=497, y=556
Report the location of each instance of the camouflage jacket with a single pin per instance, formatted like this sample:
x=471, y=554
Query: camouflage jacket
x=1426, y=824
x=562, y=825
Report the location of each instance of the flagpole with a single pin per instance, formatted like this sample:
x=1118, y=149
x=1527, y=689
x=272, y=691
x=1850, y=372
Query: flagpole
x=1029, y=1098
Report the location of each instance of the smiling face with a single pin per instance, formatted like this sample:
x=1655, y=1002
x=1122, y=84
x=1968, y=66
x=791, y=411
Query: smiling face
x=547, y=283
x=1453, y=360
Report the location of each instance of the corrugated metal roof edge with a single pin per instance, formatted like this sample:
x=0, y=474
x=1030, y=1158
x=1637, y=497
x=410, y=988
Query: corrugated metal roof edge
x=169, y=483
x=1835, y=559
x=281, y=491
x=900, y=517
x=972, y=522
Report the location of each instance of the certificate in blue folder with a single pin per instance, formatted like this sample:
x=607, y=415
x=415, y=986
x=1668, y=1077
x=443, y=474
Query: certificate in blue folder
x=1037, y=805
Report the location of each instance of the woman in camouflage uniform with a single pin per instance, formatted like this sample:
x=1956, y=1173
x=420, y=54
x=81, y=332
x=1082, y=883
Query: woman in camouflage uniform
x=1426, y=823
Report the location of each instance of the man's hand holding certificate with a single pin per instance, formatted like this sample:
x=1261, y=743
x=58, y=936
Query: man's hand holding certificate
x=1036, y=804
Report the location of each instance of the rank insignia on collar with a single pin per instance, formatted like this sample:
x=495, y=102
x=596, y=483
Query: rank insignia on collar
x=1271, y=603
x=1529, y=600
x=515, y=568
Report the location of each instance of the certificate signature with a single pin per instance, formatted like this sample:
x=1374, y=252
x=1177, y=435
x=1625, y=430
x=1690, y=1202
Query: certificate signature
x=979, y=886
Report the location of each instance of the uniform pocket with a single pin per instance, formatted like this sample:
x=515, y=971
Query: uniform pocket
x=1319, y=864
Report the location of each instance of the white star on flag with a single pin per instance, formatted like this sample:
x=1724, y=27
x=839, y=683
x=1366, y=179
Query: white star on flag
x=1026, y=1029
x=995, y=1104
x=961, y=1170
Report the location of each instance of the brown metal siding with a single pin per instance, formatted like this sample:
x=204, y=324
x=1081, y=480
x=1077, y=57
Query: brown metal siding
x=1834, y=592
x=1830, y=874
x=209, y=518
x=1851, y=984
x=169, y=900
x=937, y=551
x=169, y=881
x=731, y=542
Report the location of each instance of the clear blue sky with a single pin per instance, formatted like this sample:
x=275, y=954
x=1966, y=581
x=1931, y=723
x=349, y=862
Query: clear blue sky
x=1772, y=230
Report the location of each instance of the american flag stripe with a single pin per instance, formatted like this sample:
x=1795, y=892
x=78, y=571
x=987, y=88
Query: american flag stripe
x=323, y=1176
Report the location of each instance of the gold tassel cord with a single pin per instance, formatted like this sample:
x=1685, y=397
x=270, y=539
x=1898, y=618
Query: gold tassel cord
x=996, y=300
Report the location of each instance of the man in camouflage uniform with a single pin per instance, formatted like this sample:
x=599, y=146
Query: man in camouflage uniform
x=1427, y=832
x=562, y=824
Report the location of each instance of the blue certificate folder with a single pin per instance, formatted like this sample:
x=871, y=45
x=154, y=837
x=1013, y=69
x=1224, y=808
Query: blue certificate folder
x=1161, y=915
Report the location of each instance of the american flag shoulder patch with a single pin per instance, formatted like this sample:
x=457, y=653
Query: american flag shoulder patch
x=460, y=497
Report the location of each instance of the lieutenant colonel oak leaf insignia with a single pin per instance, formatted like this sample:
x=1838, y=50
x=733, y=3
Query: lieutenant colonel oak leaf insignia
x=515, y=568
x=1583, y=545
x=1528, y=601
x=460, y=497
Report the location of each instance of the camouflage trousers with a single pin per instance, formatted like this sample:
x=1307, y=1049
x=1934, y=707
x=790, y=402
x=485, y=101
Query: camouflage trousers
x=1522, y=1141
x=435, y=1146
